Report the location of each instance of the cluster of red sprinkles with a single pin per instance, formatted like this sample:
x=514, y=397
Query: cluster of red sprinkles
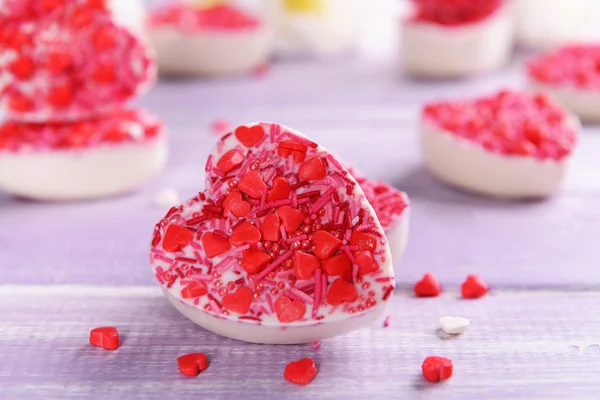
x=455, y=12
x=472, y=288
x=123, y=126
x=68, y=62
x=574, y=65
x=190, y=18
x=283, y=235
x=388, y=202
x=508, y=122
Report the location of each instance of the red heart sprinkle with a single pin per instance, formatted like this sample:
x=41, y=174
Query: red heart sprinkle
x=214, y=244
x=341, y=291
x=290, y=217
x=325, y=244
x=363, y=240
x=252, y=184
x=230, y=161
x=192, y=364
x=193, y=290
x=239, y=301
x=270, y=228
x=305, y=265
x=428, y=286
x=339, y=265
x=250, y=136
x=245, y=233
x=255, y=260
x=301, y=372
x=281, y=190
x=473, y=287
x=437, y=368
x=312, y=170
x=235, y=205
x=289, y=310
x=366, y=262
x=106, y=337
x=176, y=238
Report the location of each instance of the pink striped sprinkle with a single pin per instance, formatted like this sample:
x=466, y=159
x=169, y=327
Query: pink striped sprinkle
x=298, y=295
x=283, y=232
x=316, y=344
x=195, y=245
x=355, y=269
x=304, y=200
x=317, y=294
x=387, y=321
x=214, y=304
x=208, y=166
x=283, y=274
x=335, y=162
x=225, y=262
x=263, y=199
x=296, y=239
x=163, y=258
x=299, y=139
x=273, y=265
x=156, y=251
x=294, y=199
x=387, y=279
x=202, y=277
x=324, y=199
x=270, y=302
x=306, y=283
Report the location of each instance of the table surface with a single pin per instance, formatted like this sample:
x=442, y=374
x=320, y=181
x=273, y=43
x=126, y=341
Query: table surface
x=67, y=268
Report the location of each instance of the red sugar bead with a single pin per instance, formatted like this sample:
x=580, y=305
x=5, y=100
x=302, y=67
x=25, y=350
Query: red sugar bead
x=437, y=368
x=301, y=372
x=473, y=287
x=192, y=364
x=106, y=337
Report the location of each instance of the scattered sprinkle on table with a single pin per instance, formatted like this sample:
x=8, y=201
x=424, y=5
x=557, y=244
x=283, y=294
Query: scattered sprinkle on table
x=301, y=372
x=437, y=368
x=106, y=337
x=473, y=287
x=192, y=364
x=428, y=286
x=454, y=325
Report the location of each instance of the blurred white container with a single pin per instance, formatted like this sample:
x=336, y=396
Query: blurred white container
x=547, y=23
x=208, y=38
x=129, y=13
x=314, y=27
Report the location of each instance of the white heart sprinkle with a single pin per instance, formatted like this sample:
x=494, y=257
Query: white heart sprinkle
x=166, y=198
x=454, y=325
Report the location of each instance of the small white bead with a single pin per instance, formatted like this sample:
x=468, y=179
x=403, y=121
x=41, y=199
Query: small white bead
x=166, y=198
x=454, y=325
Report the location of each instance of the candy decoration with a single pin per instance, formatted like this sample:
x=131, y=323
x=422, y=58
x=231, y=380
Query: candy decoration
x=308, y=263
x=301, y=372
x=571, y=75
x=106, y=337
x=428, y=286
x=454, y=325
x=509, y=144
x=192, y=364
x=473, y=287
x=75, y=63
x=437, y=368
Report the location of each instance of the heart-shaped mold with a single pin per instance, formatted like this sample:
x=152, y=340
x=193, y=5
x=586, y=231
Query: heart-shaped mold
x=316, y=265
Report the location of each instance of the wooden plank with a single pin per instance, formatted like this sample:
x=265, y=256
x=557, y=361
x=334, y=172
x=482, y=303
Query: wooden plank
x=517, y=347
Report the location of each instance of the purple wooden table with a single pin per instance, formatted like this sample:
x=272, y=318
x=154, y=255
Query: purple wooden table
x=67, y=268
